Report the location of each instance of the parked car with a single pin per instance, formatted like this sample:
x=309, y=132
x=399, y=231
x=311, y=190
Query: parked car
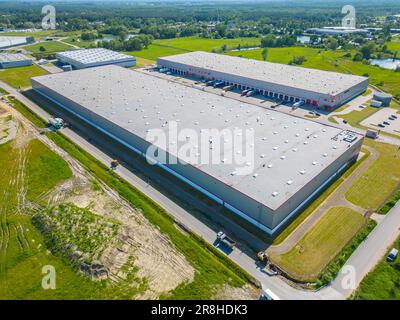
x=381, y=125
x=394, y=116
x=392, y=254
x=386, y=123
x=344, y=121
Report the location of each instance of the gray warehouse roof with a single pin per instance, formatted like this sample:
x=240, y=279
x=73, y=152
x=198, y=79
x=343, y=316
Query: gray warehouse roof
x=313, y=80
x=95, y=55
x=288, y=151
x=10, y=41
x=9, y=57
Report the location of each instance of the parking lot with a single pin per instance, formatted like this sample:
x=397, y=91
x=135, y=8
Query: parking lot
x=380, y=121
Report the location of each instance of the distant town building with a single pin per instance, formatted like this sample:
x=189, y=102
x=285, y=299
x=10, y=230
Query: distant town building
x=87, y=58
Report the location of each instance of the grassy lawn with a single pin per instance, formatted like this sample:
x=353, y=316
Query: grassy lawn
x=42, y=34
x=393, y=46
x=141, y=62
x=387, y=80
x=50, y=46
x=356, y=116
x=379, y=180
x=155, y=51
x=383, y=283
x=20, y=77
x=321, y=243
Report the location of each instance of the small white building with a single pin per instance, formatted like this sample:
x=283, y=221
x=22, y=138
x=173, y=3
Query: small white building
x=88, y=58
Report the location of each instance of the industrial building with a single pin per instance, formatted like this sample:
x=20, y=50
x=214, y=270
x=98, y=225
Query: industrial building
x=381, y=99
x=320, y=89
x=8, y=60
x=10, y=41
x=287, y=161
x=88, y=58
x=337, y=31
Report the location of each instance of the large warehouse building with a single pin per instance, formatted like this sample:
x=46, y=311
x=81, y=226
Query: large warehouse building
x=9, y=60
x=88, y=58
x=322, y=89
x=11, y=41
x=286, y=162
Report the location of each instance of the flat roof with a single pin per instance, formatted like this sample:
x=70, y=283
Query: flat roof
x=95, y=55
x=12, y=57
x=314, y=80
x=288, y=151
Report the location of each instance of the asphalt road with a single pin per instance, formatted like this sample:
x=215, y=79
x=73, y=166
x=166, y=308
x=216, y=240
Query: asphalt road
x=364, y=258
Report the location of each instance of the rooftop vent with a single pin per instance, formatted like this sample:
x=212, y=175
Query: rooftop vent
x=275, y=193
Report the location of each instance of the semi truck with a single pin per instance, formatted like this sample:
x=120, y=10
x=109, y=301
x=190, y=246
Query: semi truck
x=223, y=238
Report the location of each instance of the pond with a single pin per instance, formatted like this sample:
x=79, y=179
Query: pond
x=386, y=63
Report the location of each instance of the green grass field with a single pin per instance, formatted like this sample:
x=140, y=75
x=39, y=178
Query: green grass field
x=383, y=283
x=379, y=180
x=42, y=34
x=79, y=42
x=321, y=244
x=141, y=62
x=20, y=77
x=318, y=201
x=155, y=51
x=50, y=46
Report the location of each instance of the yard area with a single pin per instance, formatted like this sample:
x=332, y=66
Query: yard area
x=379, y=180
x=212, y=271
x=202, y=44
x=320, y=244
x=20, y=77
x=356, y=116
x=383, y=283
